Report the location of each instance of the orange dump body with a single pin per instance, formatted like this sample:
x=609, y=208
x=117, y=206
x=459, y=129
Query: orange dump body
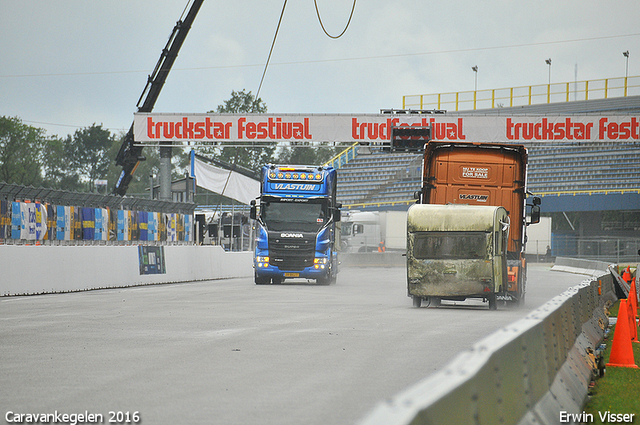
x=478, y=174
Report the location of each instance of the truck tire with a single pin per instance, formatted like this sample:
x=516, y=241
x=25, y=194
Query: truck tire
x=493, y=303
x=323, y=280
x=261, y=280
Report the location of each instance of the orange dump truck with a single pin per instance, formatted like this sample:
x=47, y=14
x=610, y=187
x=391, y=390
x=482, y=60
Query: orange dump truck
x=480, y=175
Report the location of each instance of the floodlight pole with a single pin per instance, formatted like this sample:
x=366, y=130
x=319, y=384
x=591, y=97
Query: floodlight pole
x=548, y=62
x=626, y=71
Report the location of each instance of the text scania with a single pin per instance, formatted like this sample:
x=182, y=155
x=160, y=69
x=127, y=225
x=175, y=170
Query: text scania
x=570, y=130
x=271, y=129
x=380, y=130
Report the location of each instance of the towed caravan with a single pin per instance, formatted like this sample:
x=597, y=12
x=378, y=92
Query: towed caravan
x=455, y=252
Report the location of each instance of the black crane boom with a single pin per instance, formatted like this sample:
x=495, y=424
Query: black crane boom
x=129, y=155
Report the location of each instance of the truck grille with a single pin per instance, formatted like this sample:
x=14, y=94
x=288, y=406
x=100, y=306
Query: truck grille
x=291, y=253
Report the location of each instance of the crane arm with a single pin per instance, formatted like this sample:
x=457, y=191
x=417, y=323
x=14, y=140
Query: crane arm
x=129, y=155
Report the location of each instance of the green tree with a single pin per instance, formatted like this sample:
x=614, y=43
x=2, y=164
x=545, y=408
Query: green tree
x=75, y=162
x=56, y=168
x=20, y=152
x=251, y=158
x=242, y=102
x=89, y=152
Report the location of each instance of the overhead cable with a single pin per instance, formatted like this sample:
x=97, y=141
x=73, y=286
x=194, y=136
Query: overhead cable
x=315, y=2
x=273, y=43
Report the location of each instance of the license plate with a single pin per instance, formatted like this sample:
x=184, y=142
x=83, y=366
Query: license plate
x=292, y=275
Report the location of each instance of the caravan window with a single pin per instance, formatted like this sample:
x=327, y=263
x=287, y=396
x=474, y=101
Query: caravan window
x=450, y=245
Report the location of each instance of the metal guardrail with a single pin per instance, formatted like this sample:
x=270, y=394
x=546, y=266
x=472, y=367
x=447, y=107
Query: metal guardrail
x=378, y=204
x=525, y=95
x=343, y=157
x=587, y=192
x=542, y=194
x=525, y=373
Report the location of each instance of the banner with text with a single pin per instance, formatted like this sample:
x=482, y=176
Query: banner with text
x=179, y=128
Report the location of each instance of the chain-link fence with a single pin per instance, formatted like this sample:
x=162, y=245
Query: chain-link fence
x=30, y=215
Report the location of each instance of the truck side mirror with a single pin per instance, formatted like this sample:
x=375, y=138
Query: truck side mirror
x=336, y=215
x=252, y=211
x=535, y=214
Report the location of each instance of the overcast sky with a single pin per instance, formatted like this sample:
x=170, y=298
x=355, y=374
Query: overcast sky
x=69, y=64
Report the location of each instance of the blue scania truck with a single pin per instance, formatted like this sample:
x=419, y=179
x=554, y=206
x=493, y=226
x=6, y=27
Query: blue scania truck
x=296, y=224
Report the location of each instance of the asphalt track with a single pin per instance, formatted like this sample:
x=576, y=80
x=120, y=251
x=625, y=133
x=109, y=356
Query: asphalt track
x=232, y=352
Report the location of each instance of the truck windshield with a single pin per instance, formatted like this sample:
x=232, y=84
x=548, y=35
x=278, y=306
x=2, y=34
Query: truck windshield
x=450, y=245
x=294, y=216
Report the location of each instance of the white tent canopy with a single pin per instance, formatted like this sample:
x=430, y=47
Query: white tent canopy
x=224, y=182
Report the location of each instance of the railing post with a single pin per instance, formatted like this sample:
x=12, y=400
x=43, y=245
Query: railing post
x=625, y=86
x=529, y=95
x=457, y=94
x=511, y=97
x=606, y=88
x=404, y=103
x=567, y=92
x=475, y=94
x=493, y=98
x=439, y=94
x=586, y=90
x=548, y=93
x=421, y=101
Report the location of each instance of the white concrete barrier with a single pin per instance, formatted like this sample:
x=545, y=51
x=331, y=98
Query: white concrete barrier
x=525, y=373
x=50, y=269
x=579, y=266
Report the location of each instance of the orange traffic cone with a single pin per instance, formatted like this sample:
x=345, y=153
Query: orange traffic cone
x=626, y=275
x=621, y=350
x=632, y=305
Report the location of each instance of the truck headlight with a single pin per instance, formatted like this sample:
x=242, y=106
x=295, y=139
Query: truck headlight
x=320, y=263
x=262, y=261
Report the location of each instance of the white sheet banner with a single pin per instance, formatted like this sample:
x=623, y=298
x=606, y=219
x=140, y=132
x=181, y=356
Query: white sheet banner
x=150, y=128
x=228, y=183
x=28, y=230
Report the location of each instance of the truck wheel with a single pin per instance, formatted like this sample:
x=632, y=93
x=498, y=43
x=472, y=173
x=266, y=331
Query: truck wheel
x=434, y=301
x=261, y=280
x=518, y=302
x=493, y=303
x=323, y=281
x=417, y=301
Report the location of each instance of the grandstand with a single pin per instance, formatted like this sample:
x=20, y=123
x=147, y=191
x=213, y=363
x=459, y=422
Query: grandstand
x=375, y=177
